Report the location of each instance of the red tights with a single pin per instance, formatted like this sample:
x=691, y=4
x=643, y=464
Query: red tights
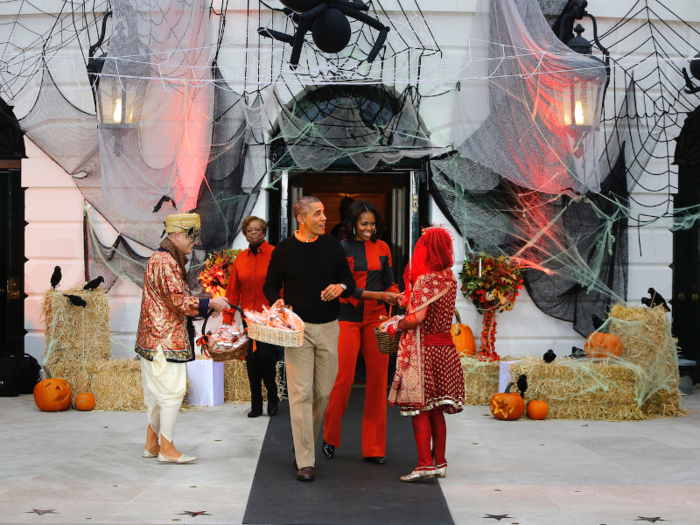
x=427, y=426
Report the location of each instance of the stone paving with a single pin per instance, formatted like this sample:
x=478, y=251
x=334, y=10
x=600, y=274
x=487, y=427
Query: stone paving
x=85, y=467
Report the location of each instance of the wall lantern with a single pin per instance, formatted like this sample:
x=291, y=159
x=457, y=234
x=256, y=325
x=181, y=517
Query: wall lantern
x=581, y=100
x=119, y=84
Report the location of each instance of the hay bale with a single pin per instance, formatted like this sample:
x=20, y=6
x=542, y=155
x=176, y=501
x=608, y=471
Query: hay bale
x=649, y=345
x=480, y=380
x=74, y=333
x=115, y=383
x=582, y=388
x=237, y=386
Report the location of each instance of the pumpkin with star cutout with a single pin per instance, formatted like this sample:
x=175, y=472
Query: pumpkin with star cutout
x=507, y=406
x=53, y=395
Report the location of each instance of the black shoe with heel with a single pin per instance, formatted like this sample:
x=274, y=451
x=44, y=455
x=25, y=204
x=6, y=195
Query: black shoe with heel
x=328, y=450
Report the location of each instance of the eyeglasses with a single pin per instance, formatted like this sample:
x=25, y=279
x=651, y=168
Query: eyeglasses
x=192, y=232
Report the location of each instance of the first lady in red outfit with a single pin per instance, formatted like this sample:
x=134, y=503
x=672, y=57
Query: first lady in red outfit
x=360, y=314
x=428, y=379
x=245, y=289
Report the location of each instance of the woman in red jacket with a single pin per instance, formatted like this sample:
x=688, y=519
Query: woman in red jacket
x=370, y=262
x=245, y=290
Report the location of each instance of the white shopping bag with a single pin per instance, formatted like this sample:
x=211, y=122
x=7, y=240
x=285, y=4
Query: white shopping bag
x=205, y=383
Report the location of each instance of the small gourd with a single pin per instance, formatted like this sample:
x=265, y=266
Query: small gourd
x=537, y=409
x=84, y=402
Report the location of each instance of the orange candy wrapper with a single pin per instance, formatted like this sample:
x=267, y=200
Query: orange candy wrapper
x=280, y=318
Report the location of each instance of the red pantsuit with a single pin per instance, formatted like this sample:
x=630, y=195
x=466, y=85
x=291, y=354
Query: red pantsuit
x=353, y=338
x=370, y=263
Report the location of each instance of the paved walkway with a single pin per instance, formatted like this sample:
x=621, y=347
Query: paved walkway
x=75, y=467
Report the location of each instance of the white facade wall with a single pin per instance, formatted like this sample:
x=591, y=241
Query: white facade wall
x=54, y=209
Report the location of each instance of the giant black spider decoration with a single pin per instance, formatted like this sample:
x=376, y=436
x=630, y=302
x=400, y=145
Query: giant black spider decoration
x=328, y=23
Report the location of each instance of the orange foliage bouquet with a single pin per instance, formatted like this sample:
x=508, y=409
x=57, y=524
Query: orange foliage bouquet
x=217, y=269
x=493, y=283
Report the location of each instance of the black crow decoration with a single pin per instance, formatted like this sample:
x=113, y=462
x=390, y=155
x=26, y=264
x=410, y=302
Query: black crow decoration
x=92, y=285
x=655, y=300
x=577, y=353
x=522, y=385
x=597, y=321
x=76, y=300
x=549, y=356
x=56, y=277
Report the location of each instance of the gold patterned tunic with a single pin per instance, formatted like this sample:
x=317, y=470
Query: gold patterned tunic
x=167, y=303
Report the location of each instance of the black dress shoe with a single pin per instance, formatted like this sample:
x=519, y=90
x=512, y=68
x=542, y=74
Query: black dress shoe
x=378, y=460
x=255, y=413
x=305, y=474
x=328, y=450
x=272, y=408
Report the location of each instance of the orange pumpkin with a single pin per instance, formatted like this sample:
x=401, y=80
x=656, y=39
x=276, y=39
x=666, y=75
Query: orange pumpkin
x=53, y=395
x=84, y=401
x=463, y=337
x=507, y=406
x=537, y=409
x=601, y=345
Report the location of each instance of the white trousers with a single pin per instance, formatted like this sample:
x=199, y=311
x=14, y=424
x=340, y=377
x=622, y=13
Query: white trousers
x=164, y=388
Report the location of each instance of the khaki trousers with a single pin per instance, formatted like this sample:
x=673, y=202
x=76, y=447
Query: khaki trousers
x=311, y=372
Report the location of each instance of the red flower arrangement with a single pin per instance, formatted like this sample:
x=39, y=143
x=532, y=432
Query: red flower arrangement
x=493, y=283
x=217, y=269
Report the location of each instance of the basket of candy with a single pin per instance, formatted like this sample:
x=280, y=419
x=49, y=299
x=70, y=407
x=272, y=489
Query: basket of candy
x=277, y=325
x=226, y=342
x=386, y=343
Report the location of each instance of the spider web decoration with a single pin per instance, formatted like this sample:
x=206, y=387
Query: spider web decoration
x=341, y=107
x=577, y=249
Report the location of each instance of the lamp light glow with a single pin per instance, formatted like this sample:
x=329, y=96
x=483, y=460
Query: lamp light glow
x=578, y=113
x=118, y=111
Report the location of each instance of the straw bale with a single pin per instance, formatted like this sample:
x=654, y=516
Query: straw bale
x=237, y=386
x=649, y=344
x=115, y=383
x=74, y=333
x=480, y=380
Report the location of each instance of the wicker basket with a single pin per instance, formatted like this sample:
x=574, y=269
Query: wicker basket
x=275, y=336
x=218, y=352
x=386, y=343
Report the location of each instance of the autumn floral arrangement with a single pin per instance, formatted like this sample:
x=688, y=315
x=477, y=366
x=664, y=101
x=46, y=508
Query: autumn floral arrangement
x=217, y=268
x=493, y=283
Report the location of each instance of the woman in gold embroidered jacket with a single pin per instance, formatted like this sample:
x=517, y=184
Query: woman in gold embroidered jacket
x=428, y=379
x=165, y=336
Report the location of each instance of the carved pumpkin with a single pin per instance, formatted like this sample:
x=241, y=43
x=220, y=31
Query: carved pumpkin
x=53, y=395
x=600, y=345
x=463, y=337
x=507, y=406
x=537, y=409
x=84, y=401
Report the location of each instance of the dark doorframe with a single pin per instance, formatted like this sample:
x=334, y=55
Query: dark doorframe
x=409, y=206
x=686, y=244
x=11, y=234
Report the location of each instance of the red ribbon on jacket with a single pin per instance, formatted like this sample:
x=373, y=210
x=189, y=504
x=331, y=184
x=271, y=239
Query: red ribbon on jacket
x=442, y=339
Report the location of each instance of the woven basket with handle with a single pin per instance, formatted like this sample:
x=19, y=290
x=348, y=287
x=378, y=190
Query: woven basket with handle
x=223, y=352
x=275, y=336
x=386, y=343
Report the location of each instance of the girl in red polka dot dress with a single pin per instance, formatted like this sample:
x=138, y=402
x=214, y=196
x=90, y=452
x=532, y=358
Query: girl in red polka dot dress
x=428, y=380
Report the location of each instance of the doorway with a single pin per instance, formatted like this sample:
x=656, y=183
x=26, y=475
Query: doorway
x=401, y=197
x=686, y=245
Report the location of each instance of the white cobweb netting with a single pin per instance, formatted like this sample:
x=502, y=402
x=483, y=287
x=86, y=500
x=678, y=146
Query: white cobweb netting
x=149, y=153
x=520, y=123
